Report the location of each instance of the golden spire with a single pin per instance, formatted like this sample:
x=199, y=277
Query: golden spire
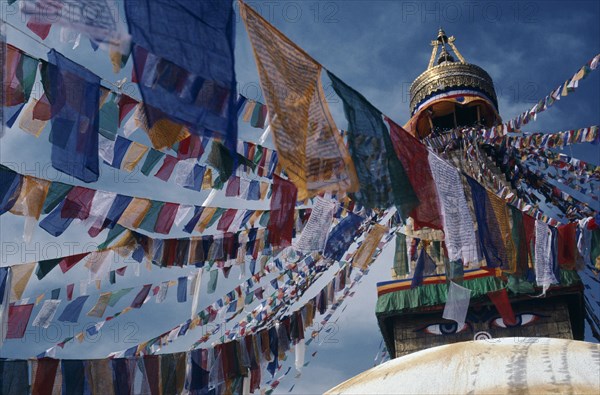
x=441, y=40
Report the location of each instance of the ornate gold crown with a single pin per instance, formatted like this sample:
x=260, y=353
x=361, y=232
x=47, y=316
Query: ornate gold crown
x=449, y=75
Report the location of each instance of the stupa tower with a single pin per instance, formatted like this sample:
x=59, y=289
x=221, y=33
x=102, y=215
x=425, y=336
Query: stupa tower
x=451, y=93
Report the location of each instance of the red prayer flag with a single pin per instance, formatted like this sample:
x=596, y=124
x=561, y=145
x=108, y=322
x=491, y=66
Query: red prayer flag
x=69, y=261
x=141, y=296
x=13, y=90
x=281, y=220
x=78, y=203
x=121, y=271
x=413, y=155
x=226, y=219
x=502, y=303
x=567, y=245
x=18, y=319
x=44, y=376
x=126, y=104
x=167, y=168
x=166, y=217
x=233, y=187
x=70, y=291
x=41, y=29
x=190, y=147
x=42, y=111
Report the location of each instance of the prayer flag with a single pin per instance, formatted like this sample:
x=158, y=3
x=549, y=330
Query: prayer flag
x=18, y=319
x=413, y=155
x=74, y=95
x=190, y=78
x=73, y=310
x=383, y=179
x=281, y=220
x=457, y=303
x=311, y=149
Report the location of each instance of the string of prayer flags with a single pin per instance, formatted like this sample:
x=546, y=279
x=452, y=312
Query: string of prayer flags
x=254, y=112
x=563, y=90
x=383, y=179
x=73, y=93
x=413, y=155
x=308, y=144
x=19, y=75
x=189, y=79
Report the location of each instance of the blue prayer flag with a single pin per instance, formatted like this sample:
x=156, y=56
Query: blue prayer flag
x=184, y=63
x=74, y=95
x=73, y=309
x=181, y=289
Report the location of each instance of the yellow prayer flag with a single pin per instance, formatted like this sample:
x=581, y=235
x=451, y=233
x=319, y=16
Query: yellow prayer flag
x=503, y=219
x=364, y=254
x=264, y=189
x=134, y=213
x=164, y=133
x=134, y=154
x=205, y=218
x=309, y=146
x=39, y=299
x=20, y=278
x=26, y=121
x=32, y=196
x=248, y=110
x=207, y=180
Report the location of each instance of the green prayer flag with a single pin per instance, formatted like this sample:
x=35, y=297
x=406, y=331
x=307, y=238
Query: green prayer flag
x=401, y=255
x=216, y=216
x=56, y=194
x=45, y=267
x=519, y=286
x=26, y=74
x=151, y=160
x=212, y=282
x=383, y=179
x=109, y=118
x=258, y=154
x=264, y=218
x=220, y=158
x=112, y=235
x=117, y=295
x=151, y=216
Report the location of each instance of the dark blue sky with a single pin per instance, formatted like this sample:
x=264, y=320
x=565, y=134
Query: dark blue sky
x=379, y=48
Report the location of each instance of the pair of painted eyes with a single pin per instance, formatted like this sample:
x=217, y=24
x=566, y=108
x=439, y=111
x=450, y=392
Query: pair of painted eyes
x=451, y=328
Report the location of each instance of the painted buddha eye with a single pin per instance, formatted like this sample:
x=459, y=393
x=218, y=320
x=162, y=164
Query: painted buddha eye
x=522, y=320
x=445, y=328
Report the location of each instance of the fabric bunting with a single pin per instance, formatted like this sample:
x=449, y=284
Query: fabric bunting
x=309, y=146
x=383, y=178
x=281, y=220
x=190, y=80
x=414, y=157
